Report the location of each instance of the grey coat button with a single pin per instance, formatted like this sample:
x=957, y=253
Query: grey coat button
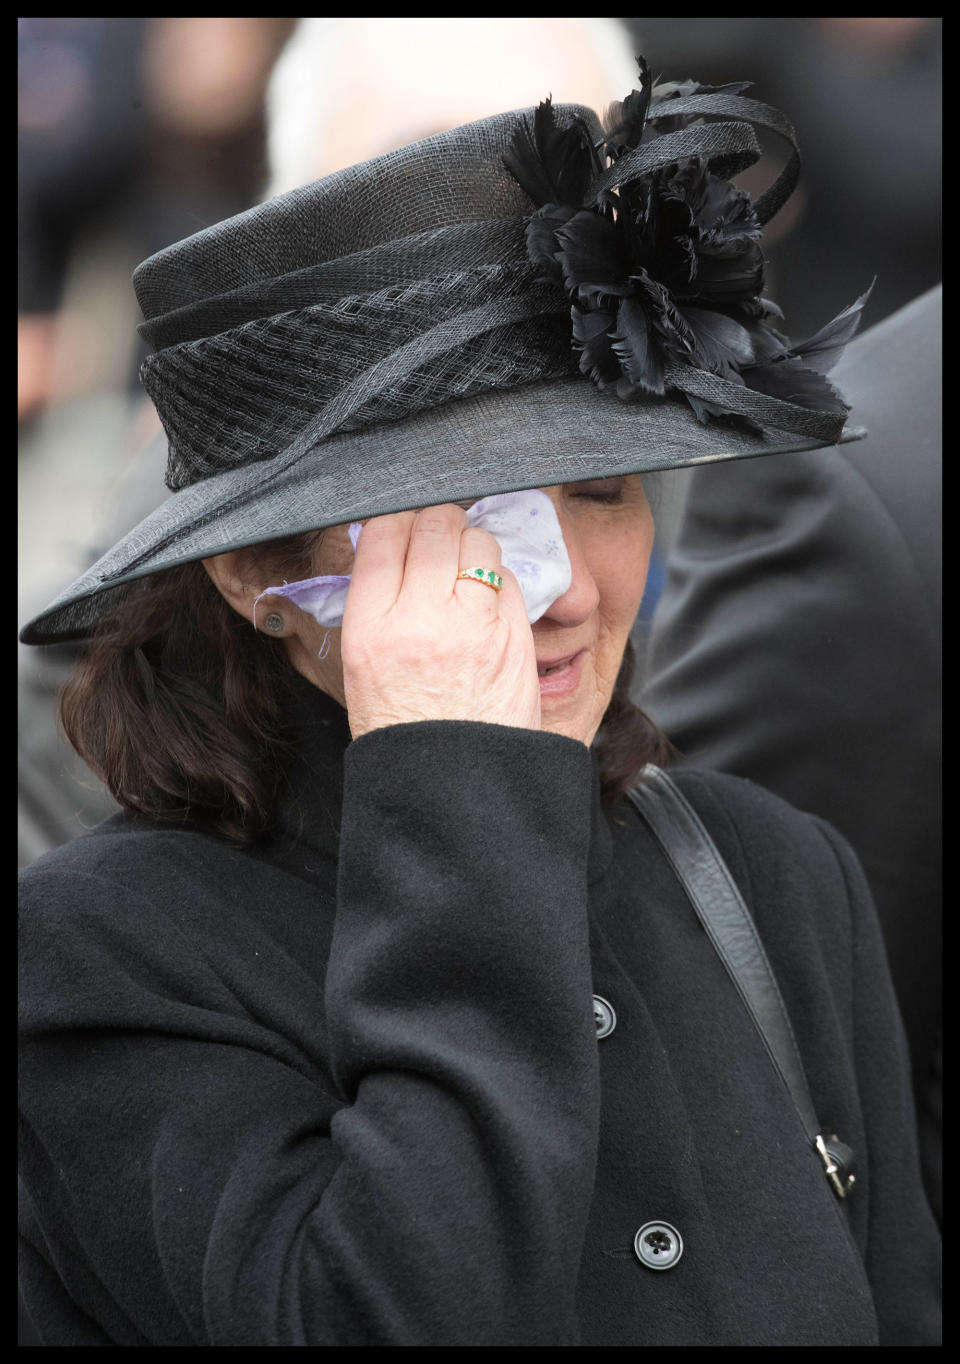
x=604, y=1018
x=658, y=1245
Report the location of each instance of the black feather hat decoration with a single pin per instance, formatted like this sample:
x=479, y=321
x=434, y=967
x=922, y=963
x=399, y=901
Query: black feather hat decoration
x=659, y=255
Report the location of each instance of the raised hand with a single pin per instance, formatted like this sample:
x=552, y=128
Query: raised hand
x=419, y=644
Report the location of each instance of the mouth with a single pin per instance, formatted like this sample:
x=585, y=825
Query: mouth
x=552, y=665
x=560, y=676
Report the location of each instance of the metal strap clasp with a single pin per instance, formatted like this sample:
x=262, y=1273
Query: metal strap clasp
x=837, y=1160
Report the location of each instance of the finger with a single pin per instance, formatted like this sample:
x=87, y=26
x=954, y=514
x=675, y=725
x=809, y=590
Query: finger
x=512, y=605
x=478, y=548
x=433, y=555
x=479, y=554
x=379, y=563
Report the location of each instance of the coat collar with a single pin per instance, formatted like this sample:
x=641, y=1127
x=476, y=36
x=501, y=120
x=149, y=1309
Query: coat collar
x=309, y=818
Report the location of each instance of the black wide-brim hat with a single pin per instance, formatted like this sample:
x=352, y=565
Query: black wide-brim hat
x=395, y=335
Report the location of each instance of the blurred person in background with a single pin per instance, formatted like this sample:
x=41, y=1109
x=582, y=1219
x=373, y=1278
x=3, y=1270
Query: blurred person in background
x=132, y=132
x=382, y=83
x=82, y=142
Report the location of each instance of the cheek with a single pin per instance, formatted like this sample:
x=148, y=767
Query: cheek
x=621, y=575
x=335, y=554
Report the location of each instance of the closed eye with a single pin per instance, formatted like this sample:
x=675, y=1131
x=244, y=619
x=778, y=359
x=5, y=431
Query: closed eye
x=609, y=490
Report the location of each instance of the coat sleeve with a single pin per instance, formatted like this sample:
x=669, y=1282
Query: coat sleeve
x=898, y=1234
x=193, y=1178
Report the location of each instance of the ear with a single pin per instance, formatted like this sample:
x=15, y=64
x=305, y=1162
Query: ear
x=230, y=575
x=224, y=572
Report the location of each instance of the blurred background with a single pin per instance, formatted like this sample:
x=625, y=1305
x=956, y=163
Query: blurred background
x=134, y=133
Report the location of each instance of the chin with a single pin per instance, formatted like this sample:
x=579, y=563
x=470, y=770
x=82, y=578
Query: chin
x=572, y=726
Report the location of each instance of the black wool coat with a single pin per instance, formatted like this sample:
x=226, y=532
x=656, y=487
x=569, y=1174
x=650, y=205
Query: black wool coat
x=347, y=1089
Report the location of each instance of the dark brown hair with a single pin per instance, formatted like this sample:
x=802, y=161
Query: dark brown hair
x=178, y=705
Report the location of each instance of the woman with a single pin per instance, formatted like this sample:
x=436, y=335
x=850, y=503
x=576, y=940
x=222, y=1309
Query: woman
x=308, y=1051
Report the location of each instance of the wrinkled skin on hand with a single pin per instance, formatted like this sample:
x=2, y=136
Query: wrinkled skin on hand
x=419, y=644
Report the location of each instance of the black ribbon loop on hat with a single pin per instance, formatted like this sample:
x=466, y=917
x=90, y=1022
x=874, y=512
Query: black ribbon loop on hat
x=404, y=261
x=764, y=116
x=727, y=147
x=758, y=407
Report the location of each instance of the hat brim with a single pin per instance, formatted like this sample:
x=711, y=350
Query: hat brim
x=538, y=435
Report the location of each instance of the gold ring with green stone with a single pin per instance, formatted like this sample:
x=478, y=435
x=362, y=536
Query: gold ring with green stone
x=487, y=576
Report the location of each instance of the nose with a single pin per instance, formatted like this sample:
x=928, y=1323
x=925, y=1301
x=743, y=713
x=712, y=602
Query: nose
x=582, y=597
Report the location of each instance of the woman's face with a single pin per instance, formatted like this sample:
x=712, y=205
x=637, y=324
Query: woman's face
x=608, y=530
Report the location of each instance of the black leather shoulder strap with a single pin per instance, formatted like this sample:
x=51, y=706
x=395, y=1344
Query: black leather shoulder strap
x=720, y=907
x=715, y=897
